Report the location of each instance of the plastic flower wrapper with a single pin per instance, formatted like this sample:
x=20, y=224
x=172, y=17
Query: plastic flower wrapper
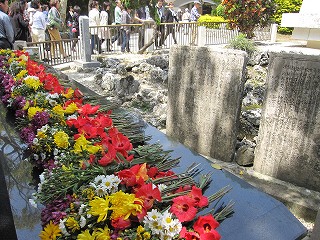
x=97, y=182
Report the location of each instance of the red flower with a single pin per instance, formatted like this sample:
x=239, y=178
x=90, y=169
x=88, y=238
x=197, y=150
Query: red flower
x=196, y=195
x=108, y=157
x=88, y=109
x=148, y=194
x=214, y=235
x=120, y=223
x=136, y=175
x=183, y=208
x=77, y=93
x=51, y=83
x=205, y=224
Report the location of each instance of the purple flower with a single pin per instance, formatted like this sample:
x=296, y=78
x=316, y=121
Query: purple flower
x=21, y=113
x=40, y=119
x=27, y=134
x=55, y=210
x=19, y=102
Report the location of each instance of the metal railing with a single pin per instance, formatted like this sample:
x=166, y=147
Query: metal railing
x=58, y=51
x=108, y=39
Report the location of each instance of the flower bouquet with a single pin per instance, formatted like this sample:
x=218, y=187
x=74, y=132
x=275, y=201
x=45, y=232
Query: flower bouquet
x=97, y=182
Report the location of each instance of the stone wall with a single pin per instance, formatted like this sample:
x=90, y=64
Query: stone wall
x=288, y=146
x=205, y=87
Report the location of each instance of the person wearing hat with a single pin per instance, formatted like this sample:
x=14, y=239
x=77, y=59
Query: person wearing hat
x=194, y=16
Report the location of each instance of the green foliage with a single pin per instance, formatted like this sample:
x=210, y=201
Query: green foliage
x=240, y=42
x=211, y=21
x=220, y=11
x=286, y=6
x=246, y=15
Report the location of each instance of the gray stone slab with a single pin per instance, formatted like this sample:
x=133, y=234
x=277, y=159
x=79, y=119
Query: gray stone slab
x=204, y=98
x=288, y=145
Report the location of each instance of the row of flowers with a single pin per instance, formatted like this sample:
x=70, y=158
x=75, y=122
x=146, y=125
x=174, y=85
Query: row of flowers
x=94, y=183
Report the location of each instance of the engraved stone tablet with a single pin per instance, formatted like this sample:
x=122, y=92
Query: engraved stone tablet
x=205, y=89
x=289, y=136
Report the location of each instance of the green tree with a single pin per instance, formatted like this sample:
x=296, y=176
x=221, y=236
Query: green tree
x=286, y=6
x=246, y=15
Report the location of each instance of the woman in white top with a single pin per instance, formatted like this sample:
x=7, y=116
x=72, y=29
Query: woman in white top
x=94, y=21
x=104, y=34
x=38, y=23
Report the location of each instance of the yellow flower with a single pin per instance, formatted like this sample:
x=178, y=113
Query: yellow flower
x=21, y=74
x=61, y=139
x=89, y=192
x=26, y=106
x=124, y=205
x=85, y=236
x=41, y=135
x=93, y=149
x=80, y=144
x=71, y=108
x=32, y=111
x=69, y=94
x=99, y=207
x=23, y=57
x=33, y=82
x=72, y=224
x=102, y=234
x=50, y=232
x=58, y=110
x=146, y=236
x=140, y=229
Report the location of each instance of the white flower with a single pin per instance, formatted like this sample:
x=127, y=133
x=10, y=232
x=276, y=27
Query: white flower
x=41, y=177
x=162, y=187
x=55, y=152
x=52, y=102
x=83, y=221
x=73, y=116
x=82, y=209
x=101, y=190
x=43, y=156
x=62, y=228
x=36, y=157
x=43, y=128
x=35, y=141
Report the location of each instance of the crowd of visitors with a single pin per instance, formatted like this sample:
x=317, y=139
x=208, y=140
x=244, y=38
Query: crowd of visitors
x=33, y=22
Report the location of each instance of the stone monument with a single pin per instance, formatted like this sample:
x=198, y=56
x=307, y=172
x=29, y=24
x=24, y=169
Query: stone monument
x=306, y=23
x=85, y=61
x=204, y=98
x=288, y=146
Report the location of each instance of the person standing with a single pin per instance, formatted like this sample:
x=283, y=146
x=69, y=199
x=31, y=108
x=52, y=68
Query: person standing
x=21, y=27
x=160, y=28
x=185, y=19
x=141, y=16
x=170, y=16
x=117, y=21
x=39, y=24
x=55, y=23
x=194, y=16
x=69, y=20
x=126, y=19
x=75, y=25
x=105, y=34
x=94, y=21
x=6, y=28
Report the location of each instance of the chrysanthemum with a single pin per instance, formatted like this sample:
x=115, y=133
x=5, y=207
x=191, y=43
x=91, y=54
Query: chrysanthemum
x=102, y=234
x=85, y=236
x=183, y=208
x=32, y=111
x=100, y=207
x=50, y=232
x=32, y=82
x=72, y=224
x=124, y=205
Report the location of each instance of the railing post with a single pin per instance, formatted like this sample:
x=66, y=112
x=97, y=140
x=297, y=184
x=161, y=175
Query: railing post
x=202, y=36
x=148, y=32
x=84, y=32
x=274, y=30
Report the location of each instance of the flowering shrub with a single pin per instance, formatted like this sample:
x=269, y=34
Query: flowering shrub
x=95, y=184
